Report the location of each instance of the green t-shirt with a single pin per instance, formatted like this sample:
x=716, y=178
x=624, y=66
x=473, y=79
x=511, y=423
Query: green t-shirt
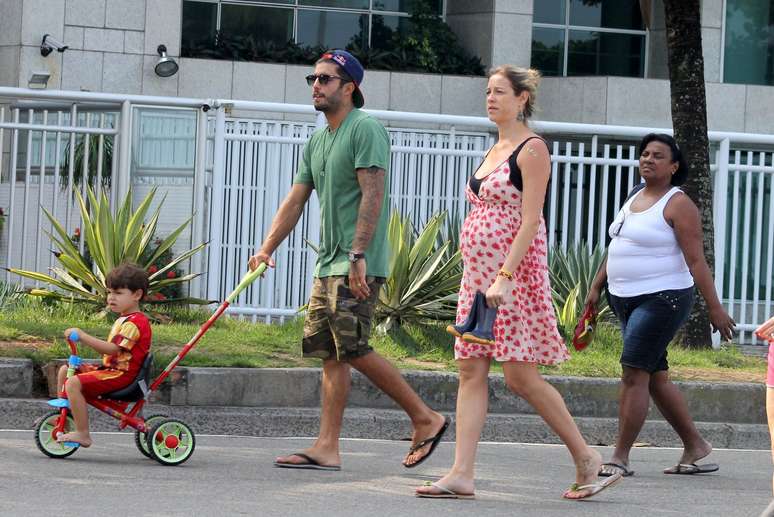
x=328, y=163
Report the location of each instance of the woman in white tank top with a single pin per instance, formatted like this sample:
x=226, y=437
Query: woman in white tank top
x=655, y=257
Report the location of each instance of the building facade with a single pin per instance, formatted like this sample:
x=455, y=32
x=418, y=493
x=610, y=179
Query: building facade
x=602, y=65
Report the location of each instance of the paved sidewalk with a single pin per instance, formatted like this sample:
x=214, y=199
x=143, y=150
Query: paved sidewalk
x=234, y=476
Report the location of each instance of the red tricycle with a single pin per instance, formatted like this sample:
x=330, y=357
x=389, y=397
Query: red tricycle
x=169, y=441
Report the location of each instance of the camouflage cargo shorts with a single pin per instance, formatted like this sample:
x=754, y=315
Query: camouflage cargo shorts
x=338, y=325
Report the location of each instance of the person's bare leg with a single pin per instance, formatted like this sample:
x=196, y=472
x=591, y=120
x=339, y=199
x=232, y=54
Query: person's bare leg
x=525, y=380
x=632, y=411
x=387, y=378
x=770, y=417
x=61, y=377
x=671, y=403
x=472, y=406
x=336, y=382
x=80, y=411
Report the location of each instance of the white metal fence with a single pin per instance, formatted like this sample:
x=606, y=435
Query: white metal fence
x=188, y=145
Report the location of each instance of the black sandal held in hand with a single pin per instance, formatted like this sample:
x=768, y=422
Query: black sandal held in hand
x=483, y=332
x=470, y=323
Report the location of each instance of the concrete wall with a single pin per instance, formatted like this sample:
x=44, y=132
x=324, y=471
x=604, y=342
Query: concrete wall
x=498, y=31
x=646, y=102
x=113, y=49
x=10, y=40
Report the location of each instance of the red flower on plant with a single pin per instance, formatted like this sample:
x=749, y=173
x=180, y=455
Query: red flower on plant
x=160, y=296
x=171, y=273
x=152, y=269
x=77, y=232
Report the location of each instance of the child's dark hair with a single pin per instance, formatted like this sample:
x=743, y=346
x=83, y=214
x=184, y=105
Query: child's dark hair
x=128, y=276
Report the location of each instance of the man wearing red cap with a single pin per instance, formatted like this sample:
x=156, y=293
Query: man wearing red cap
x=346, y=163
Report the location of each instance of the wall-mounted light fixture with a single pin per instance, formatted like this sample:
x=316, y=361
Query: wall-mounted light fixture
x=38, y=80
x=166, y=66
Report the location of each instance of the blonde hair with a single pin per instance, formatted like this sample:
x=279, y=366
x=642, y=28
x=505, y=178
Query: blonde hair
x=522, y=80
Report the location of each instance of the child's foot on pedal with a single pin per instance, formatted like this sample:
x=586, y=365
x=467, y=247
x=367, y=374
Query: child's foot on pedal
x=84, y=439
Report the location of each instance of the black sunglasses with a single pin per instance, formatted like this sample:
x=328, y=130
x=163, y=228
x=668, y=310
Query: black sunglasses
x=323, y=78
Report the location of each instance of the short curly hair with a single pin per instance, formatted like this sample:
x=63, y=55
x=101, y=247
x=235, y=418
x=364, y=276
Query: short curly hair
x=128, y=276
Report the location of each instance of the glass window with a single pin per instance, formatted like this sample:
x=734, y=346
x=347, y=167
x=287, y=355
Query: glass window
x=605, y=53
x=384, y=30
x=548, y=50
x=347, y=4
x=749, y=43
x=404, y=6
x=614, y=14
x=199, y=27
x=562, y=47
x=332, y=29
x=549, y=11
x=273, y=24
x=244, y=28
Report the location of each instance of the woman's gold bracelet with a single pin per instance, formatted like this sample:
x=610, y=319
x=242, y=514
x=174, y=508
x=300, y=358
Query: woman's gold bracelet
x=505, y=274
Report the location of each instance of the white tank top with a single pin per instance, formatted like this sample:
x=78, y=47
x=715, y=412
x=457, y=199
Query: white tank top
x=644, y=256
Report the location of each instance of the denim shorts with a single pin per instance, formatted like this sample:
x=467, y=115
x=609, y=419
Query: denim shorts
x=648, y=323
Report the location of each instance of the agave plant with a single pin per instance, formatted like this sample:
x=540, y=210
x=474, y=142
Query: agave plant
x=110, y=240
x=425, y=275
x=568, y=314
x=572, y=273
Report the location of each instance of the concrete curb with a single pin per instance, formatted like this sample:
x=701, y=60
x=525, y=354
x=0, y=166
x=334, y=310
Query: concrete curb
x=15, y=377
x=390, y=424
x=585, y=397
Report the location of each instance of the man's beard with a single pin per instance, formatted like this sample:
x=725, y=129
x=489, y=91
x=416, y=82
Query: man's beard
x=329, y=104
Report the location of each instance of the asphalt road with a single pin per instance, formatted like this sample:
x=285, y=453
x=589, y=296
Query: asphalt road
x=234, y=476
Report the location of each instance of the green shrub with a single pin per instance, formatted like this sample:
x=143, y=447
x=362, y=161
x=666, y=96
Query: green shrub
x=110, y=239
x=425, y=275
x=571, y=273
x=429, y=45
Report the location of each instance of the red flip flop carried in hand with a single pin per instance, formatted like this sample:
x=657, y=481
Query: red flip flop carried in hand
x=584, y=330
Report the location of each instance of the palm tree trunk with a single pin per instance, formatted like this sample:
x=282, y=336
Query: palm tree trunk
x=689, y=119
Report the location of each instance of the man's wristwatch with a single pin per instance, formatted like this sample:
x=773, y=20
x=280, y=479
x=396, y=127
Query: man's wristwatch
x=354, y=257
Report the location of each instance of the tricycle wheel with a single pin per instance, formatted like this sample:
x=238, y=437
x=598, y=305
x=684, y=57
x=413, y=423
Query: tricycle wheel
x=45, y=439
x=171, y=442
x=141, y=439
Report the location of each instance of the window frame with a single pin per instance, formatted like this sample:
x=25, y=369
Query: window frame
x=567, y=27
x=295, y=6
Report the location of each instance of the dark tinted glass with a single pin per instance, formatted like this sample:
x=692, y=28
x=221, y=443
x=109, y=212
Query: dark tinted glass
x=601, y=53
x=548, y=50
x=404, y=6
x=263, y=24
x=549, y=11
x=332, y=29
x=385, y=29
x=613, y=14
x=749, y=42
x=199, y=26
x=349, y=4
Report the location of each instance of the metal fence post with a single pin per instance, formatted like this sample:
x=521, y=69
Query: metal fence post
x=719, y=214
x=123, y=176
x=200, y=184
x=216, y=206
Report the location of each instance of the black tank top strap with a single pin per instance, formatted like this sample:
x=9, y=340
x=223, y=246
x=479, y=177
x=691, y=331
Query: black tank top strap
x=515, y=175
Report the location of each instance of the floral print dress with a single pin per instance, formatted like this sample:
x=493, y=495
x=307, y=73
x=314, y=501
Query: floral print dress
x=525, y=328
